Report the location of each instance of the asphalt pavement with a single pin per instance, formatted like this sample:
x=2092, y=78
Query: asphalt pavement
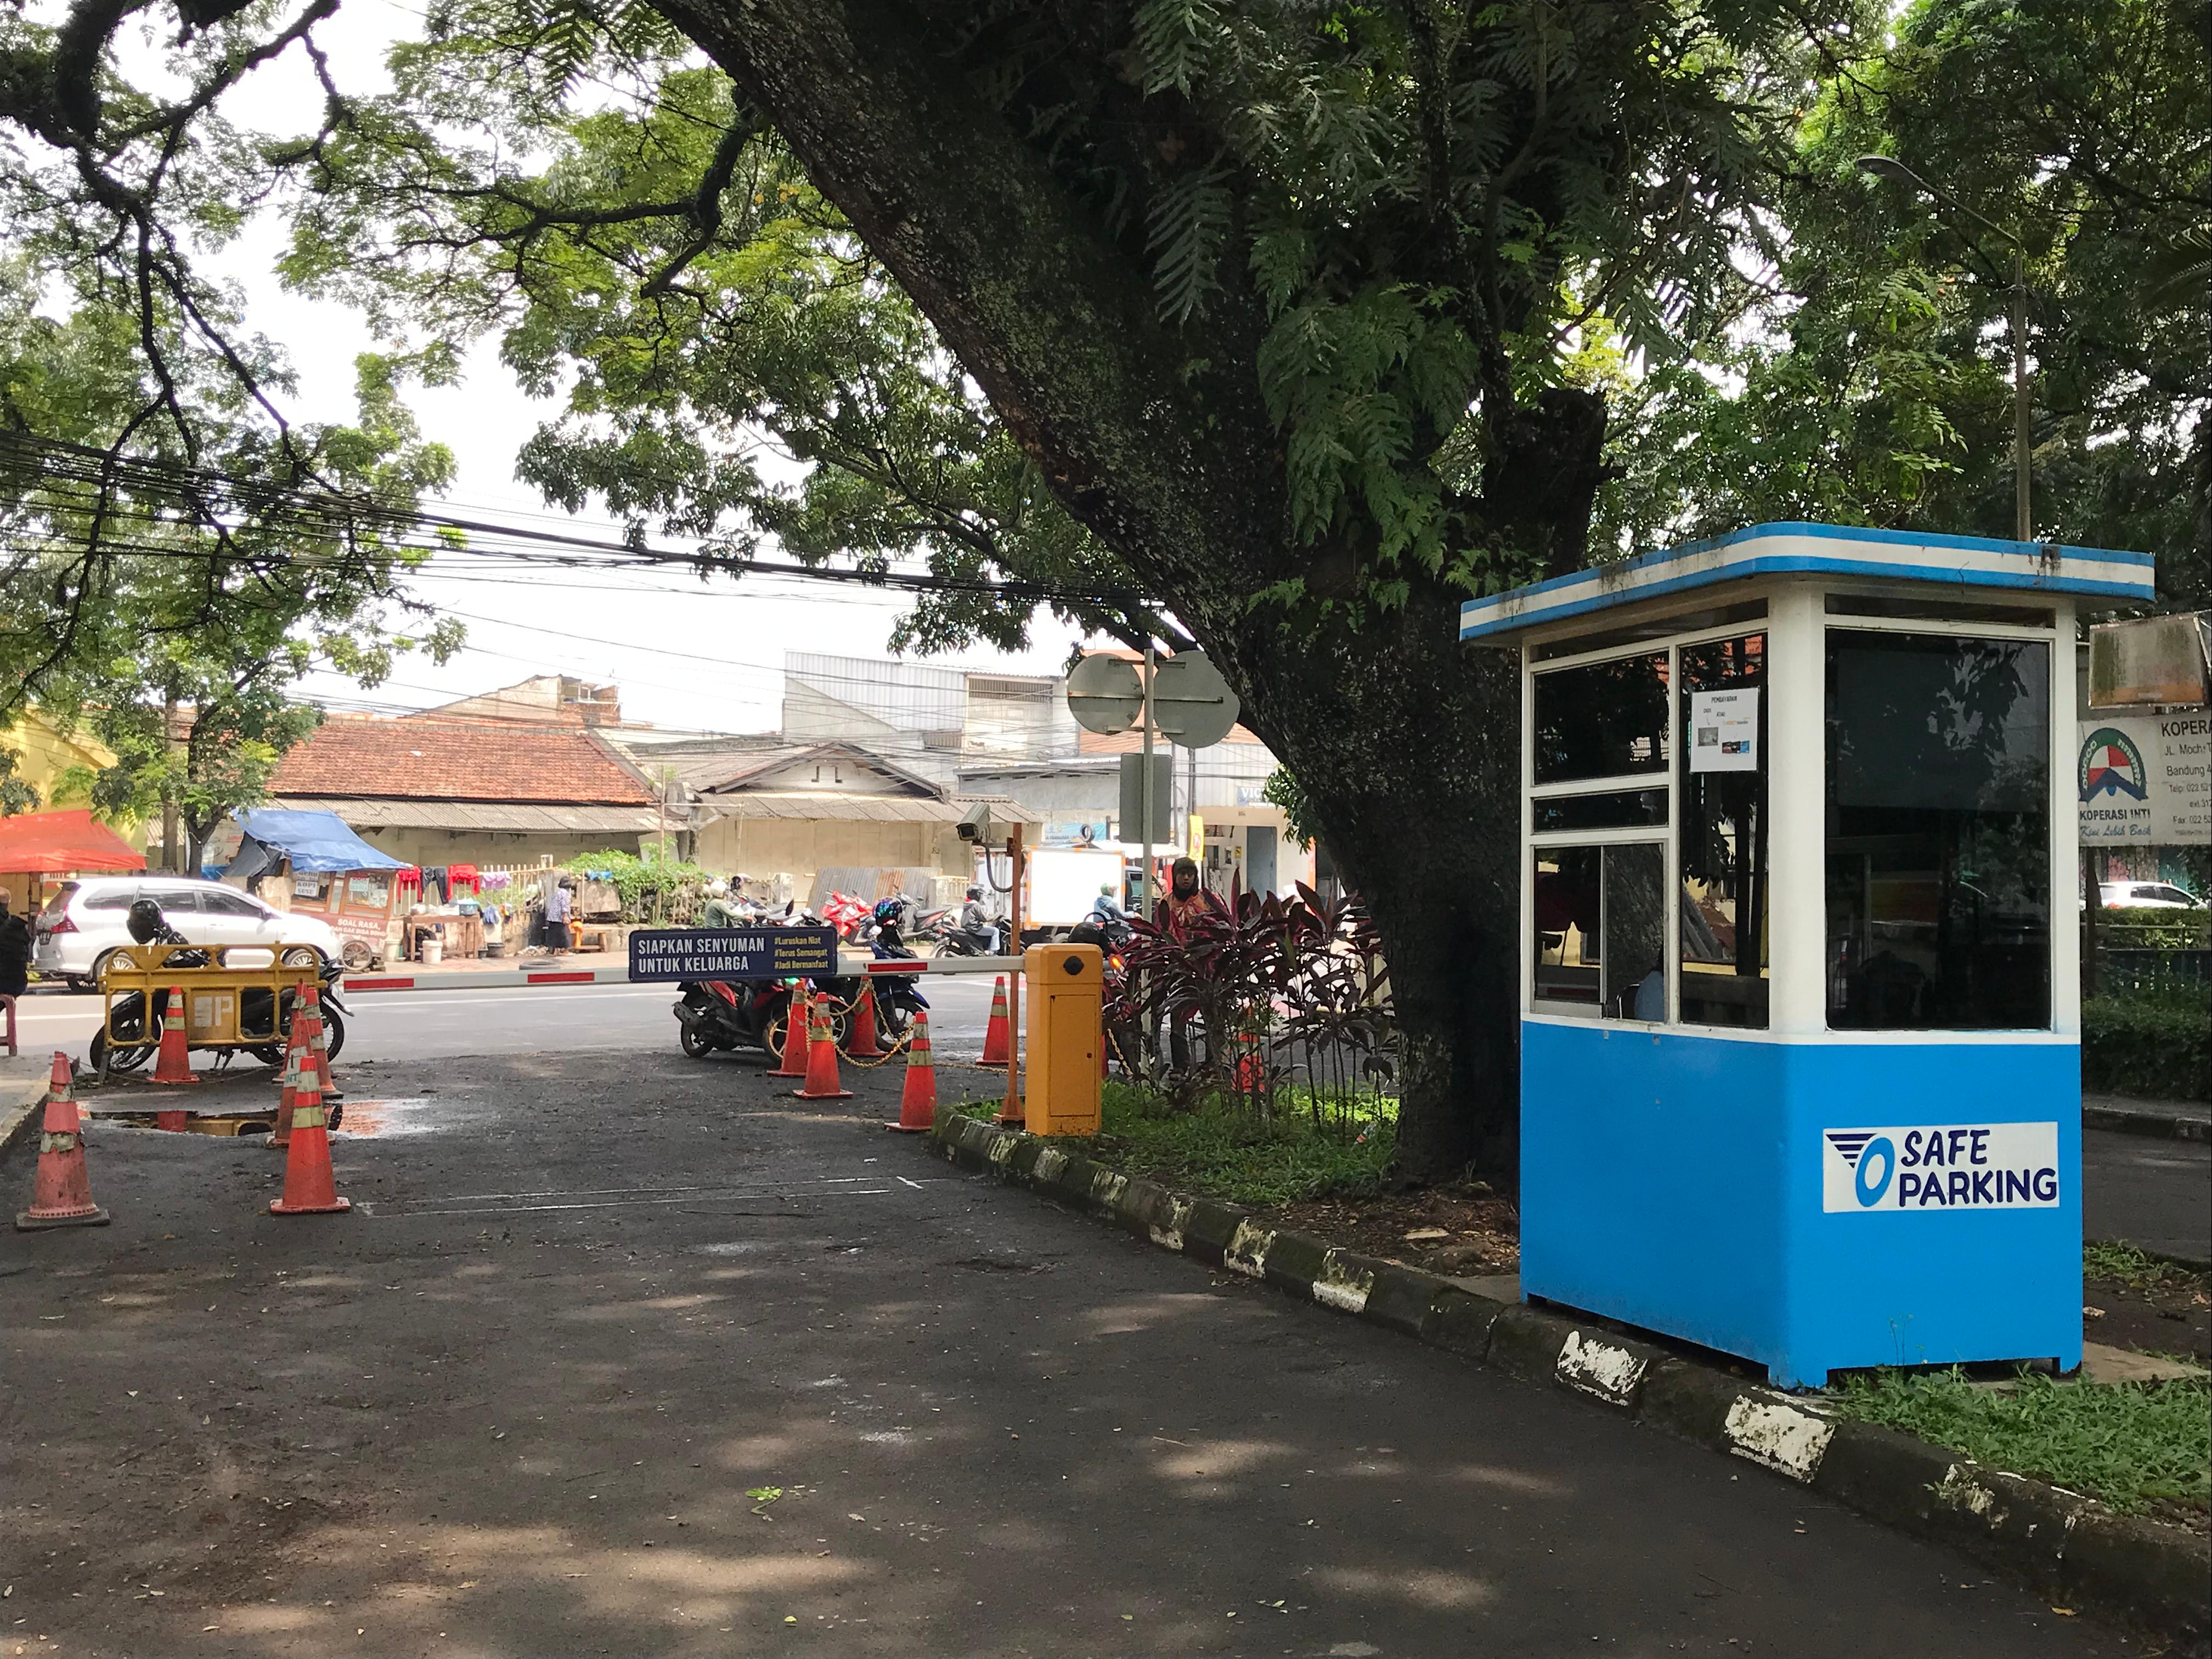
x=2157, y=1194
x=550, y=1019
x=623, y=1353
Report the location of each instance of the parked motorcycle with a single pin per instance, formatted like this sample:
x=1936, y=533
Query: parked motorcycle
x=954, y=941
x=898, y=996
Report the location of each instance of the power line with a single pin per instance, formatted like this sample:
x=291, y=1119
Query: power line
x=341, y=517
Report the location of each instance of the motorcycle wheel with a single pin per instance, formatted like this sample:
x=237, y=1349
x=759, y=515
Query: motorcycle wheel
x=333, y=1031
x=695, y=1043
x=125, y=1057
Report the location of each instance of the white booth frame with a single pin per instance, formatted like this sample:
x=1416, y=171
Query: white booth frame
x=1797, y=625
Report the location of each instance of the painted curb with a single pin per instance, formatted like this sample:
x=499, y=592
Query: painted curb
x=19, y=1108
x=2165, y=1125
x=2067, y=1548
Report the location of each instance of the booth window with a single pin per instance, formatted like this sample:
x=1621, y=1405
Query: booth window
x=1938, y=832
x=371, y=890
x=1606, y=720
x=1601, y=915
x=1724, y=961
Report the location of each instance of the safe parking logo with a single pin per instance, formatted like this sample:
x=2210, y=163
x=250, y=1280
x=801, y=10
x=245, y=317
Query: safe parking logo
x=1968, y=1166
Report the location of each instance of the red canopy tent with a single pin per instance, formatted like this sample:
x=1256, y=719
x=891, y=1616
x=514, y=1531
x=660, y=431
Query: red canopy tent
x=51, y=843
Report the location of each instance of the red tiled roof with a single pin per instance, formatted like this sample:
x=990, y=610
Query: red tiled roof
x=435, y=758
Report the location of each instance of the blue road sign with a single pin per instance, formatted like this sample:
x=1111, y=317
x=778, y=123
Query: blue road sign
x=673, y=953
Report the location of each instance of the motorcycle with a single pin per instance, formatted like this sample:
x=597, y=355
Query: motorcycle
x=137, y=1038
x=898, y=996
x=952, y=940
x=713, y=1015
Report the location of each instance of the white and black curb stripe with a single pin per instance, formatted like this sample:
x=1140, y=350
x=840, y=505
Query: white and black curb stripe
x=2066, y=1547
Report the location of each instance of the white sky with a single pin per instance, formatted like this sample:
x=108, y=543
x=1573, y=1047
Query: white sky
x=688, y=654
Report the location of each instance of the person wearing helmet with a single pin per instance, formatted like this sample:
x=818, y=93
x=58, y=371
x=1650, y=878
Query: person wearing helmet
x=1106, y=908
x=147, y=926
x=975, y=923
x=719, y=911
x=1186, y=902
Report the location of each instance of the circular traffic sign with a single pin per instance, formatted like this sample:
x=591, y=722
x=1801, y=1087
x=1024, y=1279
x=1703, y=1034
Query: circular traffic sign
x=1105, y=694
x=1191, y=702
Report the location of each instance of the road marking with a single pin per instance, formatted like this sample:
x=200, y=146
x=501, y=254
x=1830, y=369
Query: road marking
x=605, y=1192
x=411, y=1214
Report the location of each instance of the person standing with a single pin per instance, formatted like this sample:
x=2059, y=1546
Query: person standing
x=557, y=906
x=14, y=949
x=1186, y=902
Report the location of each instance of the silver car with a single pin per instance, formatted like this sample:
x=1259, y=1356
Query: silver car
x=85, y=920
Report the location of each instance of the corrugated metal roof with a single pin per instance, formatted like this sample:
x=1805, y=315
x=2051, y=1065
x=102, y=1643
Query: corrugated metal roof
x=510, y=816
x=823, y=806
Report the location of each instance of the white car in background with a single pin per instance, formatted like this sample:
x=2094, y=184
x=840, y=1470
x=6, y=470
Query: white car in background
x=2146, y=896
x=85, y=920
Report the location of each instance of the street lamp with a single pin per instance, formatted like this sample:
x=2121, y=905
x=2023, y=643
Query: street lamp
x=1888, y=167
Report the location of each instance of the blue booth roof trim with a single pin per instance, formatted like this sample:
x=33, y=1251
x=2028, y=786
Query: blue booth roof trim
x=313, y=841
x=1779, y=550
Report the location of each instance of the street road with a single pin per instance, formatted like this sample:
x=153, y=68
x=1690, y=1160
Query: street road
x=620, y=1354
x=2154, y=1192
x=547, y=1019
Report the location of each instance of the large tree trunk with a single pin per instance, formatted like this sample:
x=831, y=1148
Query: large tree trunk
x=1159, y=441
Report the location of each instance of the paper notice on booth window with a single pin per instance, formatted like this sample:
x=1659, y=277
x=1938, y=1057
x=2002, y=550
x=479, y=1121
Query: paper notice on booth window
x=1725, y=731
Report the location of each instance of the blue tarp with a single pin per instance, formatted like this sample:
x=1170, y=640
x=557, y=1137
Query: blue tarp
x=313, y=841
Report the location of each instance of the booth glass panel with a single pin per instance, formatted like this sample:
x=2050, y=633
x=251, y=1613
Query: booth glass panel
x=1606, y=720
x=1601, y=916
x=1612, y=808
x=1938, y=817
x=1725, y=951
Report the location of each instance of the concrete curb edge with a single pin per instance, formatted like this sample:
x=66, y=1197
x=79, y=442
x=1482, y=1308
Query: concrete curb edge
x=2164, y=1125
x=19, y=1104
x=2065, y=1548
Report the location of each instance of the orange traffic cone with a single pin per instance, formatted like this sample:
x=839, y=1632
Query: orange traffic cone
x=918, y=1099
x=174, y=1121
x=61, y=1194
x=998, y=1037
x=318, y=1045
x=295, y=1051
x=796, y=1020
x=310, y=1185
x=171, y=1064
x=865, y=1043
x=821, y=1055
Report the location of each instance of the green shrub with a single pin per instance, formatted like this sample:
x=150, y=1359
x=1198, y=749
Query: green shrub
x=647, y=885
x=2148, y=927
x=2156, y=1043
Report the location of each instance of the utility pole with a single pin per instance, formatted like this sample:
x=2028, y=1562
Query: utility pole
x=1146, y=905
x=170, y=862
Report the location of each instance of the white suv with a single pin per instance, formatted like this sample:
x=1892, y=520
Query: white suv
x=86, y=918
x=2146, y=896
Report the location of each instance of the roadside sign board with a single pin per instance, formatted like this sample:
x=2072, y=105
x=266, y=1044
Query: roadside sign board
x=676, y=953
x=1191, y=702
x=2146, y=779
x=1132, y=827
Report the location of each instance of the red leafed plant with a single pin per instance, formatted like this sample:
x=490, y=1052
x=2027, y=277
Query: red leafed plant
x=1285, y=1002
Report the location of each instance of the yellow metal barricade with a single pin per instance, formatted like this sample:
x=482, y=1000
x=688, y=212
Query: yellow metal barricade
x=216, y=1013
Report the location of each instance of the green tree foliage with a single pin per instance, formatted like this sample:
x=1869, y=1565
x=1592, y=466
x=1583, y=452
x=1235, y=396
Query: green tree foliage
x=146, y=595
x=1876, y=387
x=1282, y=328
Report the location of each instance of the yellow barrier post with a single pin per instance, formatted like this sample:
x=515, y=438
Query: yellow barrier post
x=1065, y=1033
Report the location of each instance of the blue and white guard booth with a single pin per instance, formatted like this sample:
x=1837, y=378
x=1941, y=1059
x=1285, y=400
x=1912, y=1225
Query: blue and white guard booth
x=1801, y=1043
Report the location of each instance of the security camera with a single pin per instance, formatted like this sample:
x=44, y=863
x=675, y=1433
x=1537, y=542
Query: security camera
x=976, y=824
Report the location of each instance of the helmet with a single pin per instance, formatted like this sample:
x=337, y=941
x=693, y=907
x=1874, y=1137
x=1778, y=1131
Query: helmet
x=144, y=920
x=718, y=888
x=887, y=910
x=975, y=892
x=1106, y=889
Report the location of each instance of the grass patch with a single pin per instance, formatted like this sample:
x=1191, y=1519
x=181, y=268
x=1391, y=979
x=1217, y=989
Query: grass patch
x=2132, y=1445
x=1225, y=1151
x=2137, y=1269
